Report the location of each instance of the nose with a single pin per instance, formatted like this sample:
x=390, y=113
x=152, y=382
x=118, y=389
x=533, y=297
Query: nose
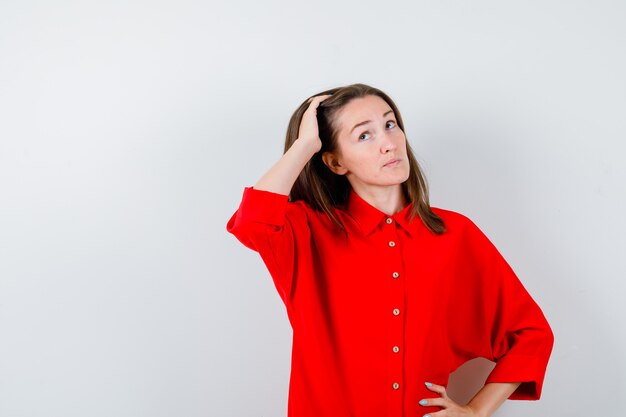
x=387, y=143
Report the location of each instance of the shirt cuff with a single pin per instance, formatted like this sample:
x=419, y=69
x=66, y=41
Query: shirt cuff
x=520, y=368
x=263, y=206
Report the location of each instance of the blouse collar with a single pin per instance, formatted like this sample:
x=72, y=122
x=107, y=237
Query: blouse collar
x=369, y=217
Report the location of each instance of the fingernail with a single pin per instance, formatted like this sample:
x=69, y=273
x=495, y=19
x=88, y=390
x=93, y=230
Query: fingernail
x=423, y=402
x=428, y=384
x=426, y=415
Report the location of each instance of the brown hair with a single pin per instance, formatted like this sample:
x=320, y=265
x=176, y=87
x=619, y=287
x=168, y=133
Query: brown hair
x=322, y=189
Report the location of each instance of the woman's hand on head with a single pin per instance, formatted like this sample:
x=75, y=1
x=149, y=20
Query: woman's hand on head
x=450, y=407
x=309, y=130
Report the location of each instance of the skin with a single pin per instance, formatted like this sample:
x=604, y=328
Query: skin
x=361, y=156
x=483, y=404
x=364, y=150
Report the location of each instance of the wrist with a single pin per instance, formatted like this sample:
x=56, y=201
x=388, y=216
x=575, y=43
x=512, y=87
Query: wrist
x=476, y=411
x=311, y=146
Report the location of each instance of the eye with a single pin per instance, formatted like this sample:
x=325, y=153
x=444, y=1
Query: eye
x=367, y=133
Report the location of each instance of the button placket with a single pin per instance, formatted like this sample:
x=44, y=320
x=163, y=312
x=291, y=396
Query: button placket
x=396, y=300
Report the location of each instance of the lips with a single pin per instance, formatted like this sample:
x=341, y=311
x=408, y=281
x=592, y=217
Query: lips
x=392, y=161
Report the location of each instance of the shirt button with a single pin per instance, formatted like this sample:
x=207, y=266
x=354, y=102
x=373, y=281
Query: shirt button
x=395, y=275
x=396, y=349
x=392, y=243
x=389, y=220
x=396, y=311
x=396, y=385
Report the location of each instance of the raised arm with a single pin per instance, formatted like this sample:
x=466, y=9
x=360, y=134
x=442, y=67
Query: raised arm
x=281, y=177
x=266, y=222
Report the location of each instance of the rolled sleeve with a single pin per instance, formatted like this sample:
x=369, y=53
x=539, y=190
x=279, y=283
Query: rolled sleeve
x=522, y=339
x=269, y=224
x=509, y=327
x=260, y=206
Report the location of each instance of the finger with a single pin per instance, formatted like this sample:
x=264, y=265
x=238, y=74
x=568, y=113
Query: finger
x=441, y=413
x=439, y=389
x=435, y=402
x=313, y=105
x=318, y=98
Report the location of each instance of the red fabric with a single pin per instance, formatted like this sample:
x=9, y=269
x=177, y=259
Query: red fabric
x=458, y=299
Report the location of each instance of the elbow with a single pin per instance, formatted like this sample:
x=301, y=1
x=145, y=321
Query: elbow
x=548, y=337
x=549, y=342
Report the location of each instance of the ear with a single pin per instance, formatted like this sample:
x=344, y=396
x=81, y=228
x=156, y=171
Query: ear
x=333, y=163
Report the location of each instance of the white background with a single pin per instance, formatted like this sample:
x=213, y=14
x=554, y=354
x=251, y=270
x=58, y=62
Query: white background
x=128, y=131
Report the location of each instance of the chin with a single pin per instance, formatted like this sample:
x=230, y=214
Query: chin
x=397, y=179
x=395, y=182
x=404, y=177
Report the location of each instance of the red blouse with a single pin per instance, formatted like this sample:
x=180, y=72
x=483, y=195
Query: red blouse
x=389, y=305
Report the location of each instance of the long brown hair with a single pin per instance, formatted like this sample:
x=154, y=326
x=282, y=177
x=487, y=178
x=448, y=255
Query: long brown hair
x=322, y=189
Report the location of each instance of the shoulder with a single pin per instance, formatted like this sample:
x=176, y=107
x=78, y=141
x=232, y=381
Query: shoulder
x=303, y=212
x=456, y=222
x=301, y=207
x=461, y=227
x=468, y=234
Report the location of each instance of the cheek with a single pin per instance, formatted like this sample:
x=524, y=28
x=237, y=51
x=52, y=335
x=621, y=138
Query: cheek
x=358, y=159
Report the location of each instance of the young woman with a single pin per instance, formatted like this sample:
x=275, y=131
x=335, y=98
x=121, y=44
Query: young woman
x=386, y=295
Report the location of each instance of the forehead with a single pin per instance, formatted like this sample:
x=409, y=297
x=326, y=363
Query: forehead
x=361, y=109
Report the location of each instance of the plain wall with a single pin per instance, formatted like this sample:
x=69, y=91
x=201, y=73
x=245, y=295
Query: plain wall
x=129, y=129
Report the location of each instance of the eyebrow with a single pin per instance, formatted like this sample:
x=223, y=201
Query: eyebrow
x=368, y=121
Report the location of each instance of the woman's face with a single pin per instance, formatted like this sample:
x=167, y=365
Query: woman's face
x=368, y=138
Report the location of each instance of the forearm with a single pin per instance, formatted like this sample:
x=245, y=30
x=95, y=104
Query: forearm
x=283, y=174
x=491, y=396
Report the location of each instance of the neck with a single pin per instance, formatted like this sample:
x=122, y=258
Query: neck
x=388, y=199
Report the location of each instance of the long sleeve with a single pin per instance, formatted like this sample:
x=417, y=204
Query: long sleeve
x=500, y=320
x=269, y=224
